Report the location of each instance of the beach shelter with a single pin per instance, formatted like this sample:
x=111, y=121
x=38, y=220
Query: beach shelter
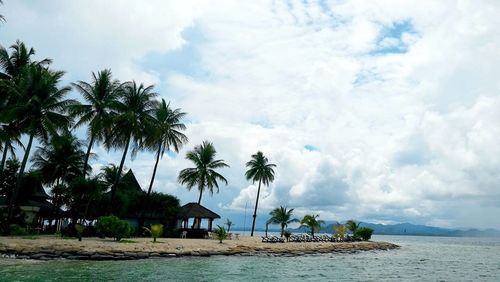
x=197, y=212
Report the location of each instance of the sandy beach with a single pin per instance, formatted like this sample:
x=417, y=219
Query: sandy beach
x=51, y=247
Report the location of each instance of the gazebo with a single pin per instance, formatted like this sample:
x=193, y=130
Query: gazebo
x=197, y=212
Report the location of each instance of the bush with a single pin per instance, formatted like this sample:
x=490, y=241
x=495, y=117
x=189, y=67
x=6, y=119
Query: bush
x=79, y=231
x=364, y=233
x=112, y=226
x=220, y=233
x=156, y=230
x=16, y=230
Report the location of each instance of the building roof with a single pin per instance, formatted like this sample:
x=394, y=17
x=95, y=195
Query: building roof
x=192, y=210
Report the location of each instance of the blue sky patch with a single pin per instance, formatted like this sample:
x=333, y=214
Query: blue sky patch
x=311, y=148
x=390, y=37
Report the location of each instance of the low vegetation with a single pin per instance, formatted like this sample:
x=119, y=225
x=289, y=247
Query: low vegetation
x=113, y=227
x=156, y=231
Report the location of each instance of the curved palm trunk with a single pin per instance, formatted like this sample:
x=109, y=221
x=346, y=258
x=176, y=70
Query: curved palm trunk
x=4, y=156
x=282, y=229
x=19, y=177
x=87, y=155
x=119, y=172
x=199, y=199
x=150, y=188
x=255, y=210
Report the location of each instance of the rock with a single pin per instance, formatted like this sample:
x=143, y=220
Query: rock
x=101, y=257
x=142, y=255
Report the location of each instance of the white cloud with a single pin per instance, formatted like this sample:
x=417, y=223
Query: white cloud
x=406, y=136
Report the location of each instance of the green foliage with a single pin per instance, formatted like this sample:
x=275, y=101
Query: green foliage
x=220, y=233
x=340, y=231
x=203, y=175
x=112, y=226
x=364, y=233
x=352, y=225
x=79, y=231
x=311, y=221
x=283, y=217
x=16, y=230
x=156, y=230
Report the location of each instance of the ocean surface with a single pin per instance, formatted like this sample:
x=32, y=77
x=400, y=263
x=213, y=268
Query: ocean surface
x=418, y=259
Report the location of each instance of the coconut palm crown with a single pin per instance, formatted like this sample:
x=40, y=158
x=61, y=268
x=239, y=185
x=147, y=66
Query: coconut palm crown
x=283, y=217
x=101, y=97
x=259, y=170
x=312, y=221
x=204, y=175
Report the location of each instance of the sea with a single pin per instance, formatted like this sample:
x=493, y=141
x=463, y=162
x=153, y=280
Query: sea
x=420, y=258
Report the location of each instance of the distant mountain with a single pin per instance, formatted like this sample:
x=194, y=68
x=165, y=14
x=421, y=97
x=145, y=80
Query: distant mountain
x=412, y=229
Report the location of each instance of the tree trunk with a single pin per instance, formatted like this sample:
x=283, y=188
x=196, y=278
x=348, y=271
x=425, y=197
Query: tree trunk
x=199, y=199
x=87, y=155
x=4, y=156
x=119, y=172
x=255, y=210
x=146, y=201
x=19, y=177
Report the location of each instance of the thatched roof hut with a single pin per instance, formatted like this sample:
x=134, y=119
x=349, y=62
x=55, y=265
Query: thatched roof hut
x=198, y=212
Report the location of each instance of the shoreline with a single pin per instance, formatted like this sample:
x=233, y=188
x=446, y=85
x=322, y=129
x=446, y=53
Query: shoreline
x=51, y=247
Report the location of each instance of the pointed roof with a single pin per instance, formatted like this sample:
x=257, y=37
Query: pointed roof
x=192, y=210
x=131, y=181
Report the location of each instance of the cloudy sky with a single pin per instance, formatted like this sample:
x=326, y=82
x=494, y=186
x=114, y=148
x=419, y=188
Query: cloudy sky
x=382, y=111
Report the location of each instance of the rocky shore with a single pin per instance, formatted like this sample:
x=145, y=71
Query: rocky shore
x=49, y=247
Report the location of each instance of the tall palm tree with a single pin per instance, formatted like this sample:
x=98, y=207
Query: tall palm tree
x=259, y=170
x=203, y=175
x=283, y=217
x=312, y=221
x=42, y=112
x=101, y=97
x=12, y=66
x=134, y=116
x=166, y=134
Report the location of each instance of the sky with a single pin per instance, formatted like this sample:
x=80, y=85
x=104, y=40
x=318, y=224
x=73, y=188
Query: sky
x=382, y=111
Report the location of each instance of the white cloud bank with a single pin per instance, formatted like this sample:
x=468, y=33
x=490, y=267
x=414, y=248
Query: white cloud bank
x=399, y=99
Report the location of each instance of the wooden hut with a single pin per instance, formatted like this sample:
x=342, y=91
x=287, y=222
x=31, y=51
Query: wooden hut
x=196, y=212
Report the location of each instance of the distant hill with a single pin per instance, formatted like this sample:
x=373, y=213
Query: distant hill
x=412, y=229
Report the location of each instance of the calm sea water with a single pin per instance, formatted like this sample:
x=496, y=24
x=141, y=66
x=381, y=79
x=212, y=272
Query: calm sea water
x=419, y=259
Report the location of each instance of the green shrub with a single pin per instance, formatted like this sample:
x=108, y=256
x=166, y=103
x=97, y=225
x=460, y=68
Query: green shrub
x=112, y=226
x=364, y=233
x=156, y=230
x=79, y=231
x=220, y=233
x=16, y=230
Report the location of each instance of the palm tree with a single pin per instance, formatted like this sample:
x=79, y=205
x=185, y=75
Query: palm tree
x=229, y=223
x=131, y=122
x=60, y=160
x=283, y=217
x=166, y=135
x=352, y=225
x=262, y=171
x=101, y=96
x=203, y=175
x=312, y=221
x=12, y=66
x=41, y=113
